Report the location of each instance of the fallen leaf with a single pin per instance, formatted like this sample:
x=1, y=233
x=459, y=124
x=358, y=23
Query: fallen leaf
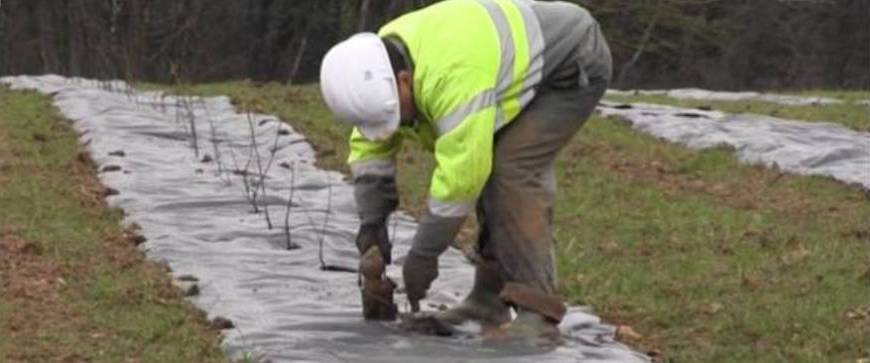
x=625, y=332
x=859, y=313
x=797, y=252
x=713, y=308
x=611, y=246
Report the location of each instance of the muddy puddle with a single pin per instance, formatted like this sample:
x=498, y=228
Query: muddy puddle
x=194, y=199
x=806, y=148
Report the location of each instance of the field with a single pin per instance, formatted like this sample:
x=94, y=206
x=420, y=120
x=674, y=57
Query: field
x=852, y=113
x=709, y=260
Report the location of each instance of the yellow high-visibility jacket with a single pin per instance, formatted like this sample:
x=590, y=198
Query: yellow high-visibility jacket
x=476, y=65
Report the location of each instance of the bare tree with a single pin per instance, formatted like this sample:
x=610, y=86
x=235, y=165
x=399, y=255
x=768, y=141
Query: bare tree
x=363, y=15
x=661, y=43
x=4, y=47
x=300, y=52
x=644, y=42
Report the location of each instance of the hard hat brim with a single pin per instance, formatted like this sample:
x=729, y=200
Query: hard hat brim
x=359, y=85
x=382, y=130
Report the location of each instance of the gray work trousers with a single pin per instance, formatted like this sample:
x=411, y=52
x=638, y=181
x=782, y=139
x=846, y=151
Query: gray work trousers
x=515, y=211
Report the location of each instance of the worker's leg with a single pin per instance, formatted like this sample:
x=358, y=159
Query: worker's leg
x=515, y=210
x=483, y=304
x=518, y=200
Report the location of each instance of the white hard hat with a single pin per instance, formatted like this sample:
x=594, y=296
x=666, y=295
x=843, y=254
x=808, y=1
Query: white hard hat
x=359, y=85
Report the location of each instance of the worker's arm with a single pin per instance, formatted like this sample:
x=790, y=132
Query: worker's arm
x=374, y=178
x=466, y=115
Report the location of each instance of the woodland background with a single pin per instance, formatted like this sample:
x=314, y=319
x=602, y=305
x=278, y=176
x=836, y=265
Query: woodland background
x=716, y=44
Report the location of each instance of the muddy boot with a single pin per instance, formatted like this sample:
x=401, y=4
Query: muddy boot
x=376, y=287
x=483, y=304
x=530, y=326
x=538, y=314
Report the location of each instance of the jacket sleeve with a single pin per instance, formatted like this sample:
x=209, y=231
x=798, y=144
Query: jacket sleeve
x=465, y=114
x=373, y=165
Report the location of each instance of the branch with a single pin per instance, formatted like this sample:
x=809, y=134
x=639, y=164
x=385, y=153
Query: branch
x=287, y=234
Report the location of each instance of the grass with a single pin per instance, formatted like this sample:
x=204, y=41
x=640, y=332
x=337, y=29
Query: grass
x=74, y=287
x=852, y=113
x=710, y=260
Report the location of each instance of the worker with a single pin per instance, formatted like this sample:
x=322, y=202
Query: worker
x=495, y=89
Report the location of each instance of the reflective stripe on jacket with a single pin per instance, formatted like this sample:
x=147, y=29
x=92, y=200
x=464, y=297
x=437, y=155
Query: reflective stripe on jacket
x=476, y=65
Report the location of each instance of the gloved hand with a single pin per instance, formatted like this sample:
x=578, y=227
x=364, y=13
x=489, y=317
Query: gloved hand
x=418, y=272
x=374, y=234
x=433, y=237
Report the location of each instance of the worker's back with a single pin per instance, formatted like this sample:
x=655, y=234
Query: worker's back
x=508, y=46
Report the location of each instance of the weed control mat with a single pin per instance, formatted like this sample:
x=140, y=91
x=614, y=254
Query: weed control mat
x=805, y=148
x=201, y=204
x=701, y=94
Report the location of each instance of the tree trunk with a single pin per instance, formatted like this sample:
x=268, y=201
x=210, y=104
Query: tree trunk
x=300, y=53
x=259, y=22
x=4, y=42
x=362, y=21
x=644, y=41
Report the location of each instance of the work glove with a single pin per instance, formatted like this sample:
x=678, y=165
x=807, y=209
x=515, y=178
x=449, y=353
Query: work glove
x=376, y=197
x=374, y=234
x=433, y=237
x=418, y=272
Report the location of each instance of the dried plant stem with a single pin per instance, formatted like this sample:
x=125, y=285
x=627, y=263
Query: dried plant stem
x=325, y=223
x=251, y=191
x=287, y=234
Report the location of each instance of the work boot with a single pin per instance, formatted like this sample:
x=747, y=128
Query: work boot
x=483, y=304
x=530, y=324
x=538, y=314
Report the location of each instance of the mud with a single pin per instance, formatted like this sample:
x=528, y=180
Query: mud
x=376, y=289
x=267, y=287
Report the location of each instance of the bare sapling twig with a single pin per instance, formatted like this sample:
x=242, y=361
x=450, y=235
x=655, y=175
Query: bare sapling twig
x=184, y=115
x=184, y=111
x=323, y=265
x=327, y=212
x=244, y=174
x=261, y=179
x=273, y=151
x=177, y=109
x=191, y=118
x=215, y=141
x=287, y=234
x=265, y=171
x=251, y=189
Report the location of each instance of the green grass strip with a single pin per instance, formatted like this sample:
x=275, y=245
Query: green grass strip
x=77, y=289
